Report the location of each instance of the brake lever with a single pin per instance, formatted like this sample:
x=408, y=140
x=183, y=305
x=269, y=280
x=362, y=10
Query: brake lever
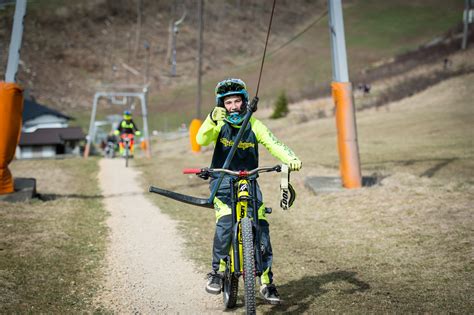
x=204, y=174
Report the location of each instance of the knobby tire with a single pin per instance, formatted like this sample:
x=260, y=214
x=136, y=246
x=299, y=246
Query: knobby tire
x=249, y=266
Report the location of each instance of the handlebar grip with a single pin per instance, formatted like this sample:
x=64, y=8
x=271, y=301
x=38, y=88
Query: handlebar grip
x=191, y=171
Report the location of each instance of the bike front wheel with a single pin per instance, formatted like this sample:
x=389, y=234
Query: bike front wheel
x=249, y=266
x=127, y=152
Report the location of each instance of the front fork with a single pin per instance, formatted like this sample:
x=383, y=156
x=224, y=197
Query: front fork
x=236, y=231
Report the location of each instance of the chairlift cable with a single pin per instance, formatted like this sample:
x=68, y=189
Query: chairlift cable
x=265, y=50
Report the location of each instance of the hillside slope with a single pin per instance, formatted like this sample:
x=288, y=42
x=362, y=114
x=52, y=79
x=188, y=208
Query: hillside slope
x=71, y=47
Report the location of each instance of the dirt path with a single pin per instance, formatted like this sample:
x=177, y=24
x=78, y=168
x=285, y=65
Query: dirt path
x=146, y=271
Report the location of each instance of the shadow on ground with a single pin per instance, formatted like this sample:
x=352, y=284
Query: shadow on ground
x=298, y=295
x=50, y=197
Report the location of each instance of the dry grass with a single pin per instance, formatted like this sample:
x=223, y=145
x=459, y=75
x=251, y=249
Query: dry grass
x=50, y=249
x=403, y=246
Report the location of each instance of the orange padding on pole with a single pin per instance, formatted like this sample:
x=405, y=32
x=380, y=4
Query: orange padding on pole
x=349, y=164
x=11, y=109
x=193, y=130
x=145, y=147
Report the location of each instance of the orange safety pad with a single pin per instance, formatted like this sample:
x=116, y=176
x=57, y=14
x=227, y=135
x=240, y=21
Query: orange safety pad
x=144, y=145
x=193, y=130
x=349, y=164
x=11, y=109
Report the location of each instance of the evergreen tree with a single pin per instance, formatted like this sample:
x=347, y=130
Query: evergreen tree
x=280, y=107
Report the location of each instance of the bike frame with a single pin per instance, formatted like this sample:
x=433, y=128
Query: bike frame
x=244, y=191
x=127, y=137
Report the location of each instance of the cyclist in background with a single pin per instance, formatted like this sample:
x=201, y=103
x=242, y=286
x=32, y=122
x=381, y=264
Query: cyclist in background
x=220, y=128
x=127, y=129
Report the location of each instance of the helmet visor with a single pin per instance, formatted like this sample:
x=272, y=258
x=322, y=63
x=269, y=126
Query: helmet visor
x=229, y=87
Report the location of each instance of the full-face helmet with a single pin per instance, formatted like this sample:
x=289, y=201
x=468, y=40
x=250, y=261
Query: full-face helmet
x=127, y=115
x=230, y=87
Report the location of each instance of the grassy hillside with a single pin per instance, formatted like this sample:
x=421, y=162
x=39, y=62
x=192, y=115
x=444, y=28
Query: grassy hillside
x=374, y=31
x=70, y=47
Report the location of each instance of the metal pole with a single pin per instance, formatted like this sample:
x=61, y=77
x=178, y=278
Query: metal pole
x=147, y=62
x=175, y=32
x=173, y=51
x=338, y=42
x=91, y=135
x=144, y=99
x=139, y=26
x=342, y=93
x=15, y=42
x=199, y=74
x=466, y=24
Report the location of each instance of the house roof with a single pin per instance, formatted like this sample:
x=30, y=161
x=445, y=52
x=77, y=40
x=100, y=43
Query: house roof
x=45, y=136
x=31, y=110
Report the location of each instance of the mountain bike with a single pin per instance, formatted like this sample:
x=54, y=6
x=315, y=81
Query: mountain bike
x=245, y=256
x=127, y=142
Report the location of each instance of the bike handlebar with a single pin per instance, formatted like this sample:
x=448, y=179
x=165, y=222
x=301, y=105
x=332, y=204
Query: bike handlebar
x=191, y=170
x=209, y=171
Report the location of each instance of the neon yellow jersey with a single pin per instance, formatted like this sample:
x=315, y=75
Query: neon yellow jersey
x=223, y=135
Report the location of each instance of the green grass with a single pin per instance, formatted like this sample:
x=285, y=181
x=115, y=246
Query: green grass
x=394, y=27
x=51, y=250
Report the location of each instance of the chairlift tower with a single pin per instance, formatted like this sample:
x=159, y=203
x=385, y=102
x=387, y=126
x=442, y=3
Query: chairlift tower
x=118, y=95
x=175, y=32
x=11, y=103
x=349, y=163
x=468, y=18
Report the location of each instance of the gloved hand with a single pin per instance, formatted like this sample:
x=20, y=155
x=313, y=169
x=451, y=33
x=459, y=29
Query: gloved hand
x=295, y=165
x=218, y=114
x=116, y=132
x=138, y=133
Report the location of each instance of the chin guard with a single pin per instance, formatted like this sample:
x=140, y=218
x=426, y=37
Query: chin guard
x=287, y=193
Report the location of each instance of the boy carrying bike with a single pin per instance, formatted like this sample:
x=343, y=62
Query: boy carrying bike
x=221, y=128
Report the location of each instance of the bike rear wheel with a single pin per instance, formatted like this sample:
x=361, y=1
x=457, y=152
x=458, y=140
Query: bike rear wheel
x=231, y=288
x=249, y=266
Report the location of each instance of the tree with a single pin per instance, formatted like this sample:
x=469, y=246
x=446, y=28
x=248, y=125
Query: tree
x=281, y=106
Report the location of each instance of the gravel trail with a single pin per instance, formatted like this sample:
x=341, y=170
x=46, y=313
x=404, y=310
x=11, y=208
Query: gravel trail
x=146, y=271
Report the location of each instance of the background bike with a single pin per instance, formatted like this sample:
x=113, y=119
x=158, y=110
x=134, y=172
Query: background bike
x=127, y=141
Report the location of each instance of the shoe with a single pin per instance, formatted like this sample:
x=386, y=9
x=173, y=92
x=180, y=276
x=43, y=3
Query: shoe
x=270, y=293
x=214, y=282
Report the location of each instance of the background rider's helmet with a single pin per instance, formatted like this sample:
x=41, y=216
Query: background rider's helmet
x=230, y=87
x=127, y=115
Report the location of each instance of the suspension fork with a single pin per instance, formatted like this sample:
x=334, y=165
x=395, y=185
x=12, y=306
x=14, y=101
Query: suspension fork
x=235, y=229
x=256, y=225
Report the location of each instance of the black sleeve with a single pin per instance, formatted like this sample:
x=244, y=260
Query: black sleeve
x=135, y=126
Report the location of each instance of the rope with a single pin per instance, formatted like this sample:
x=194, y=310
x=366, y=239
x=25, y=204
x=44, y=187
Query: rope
x=300, y=33
x=265, y=50
x=292, y=39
